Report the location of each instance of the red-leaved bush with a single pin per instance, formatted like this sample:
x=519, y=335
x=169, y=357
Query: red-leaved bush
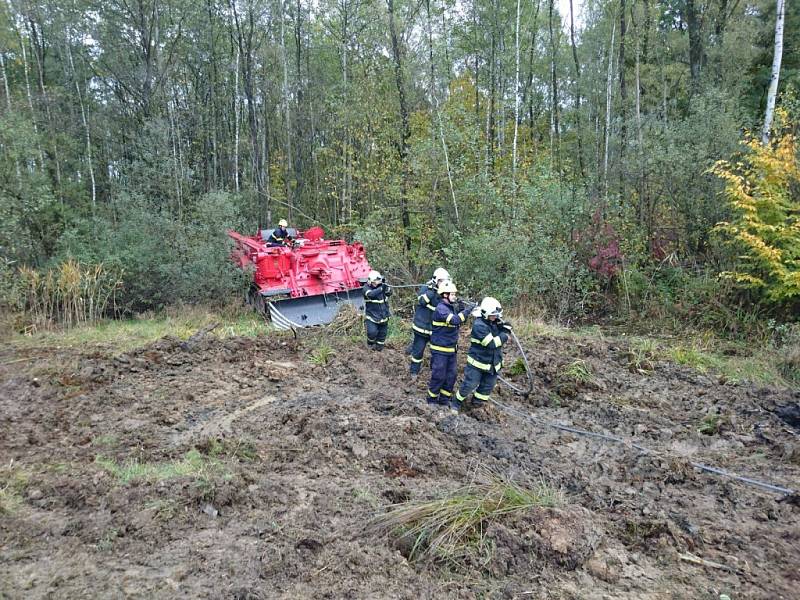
x=599, y=242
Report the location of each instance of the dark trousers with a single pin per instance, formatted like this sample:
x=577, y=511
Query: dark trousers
x=376, y=334
x=481, y=383
x=443, y=376
x=417, y=350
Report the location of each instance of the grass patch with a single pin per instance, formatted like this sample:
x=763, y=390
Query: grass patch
x=241, y=449
x=529, y=328
x=194, y=464
x=710, y=425
x=693, y=356
x=517, y=368
x=735, y=362
x=642, y=355
x=322, y=354
x=578, y=371
x=13, y=481
x=127, y=334
x=399, y=330
x=452, y=528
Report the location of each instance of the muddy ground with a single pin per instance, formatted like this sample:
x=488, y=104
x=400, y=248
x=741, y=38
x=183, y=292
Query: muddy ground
x=279, y=464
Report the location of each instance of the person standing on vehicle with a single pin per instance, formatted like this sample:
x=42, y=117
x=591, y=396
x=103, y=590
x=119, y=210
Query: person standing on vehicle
x=376, y=310
x=450, y=314
x=279, y=235
x=427, y=301
x=485, y=357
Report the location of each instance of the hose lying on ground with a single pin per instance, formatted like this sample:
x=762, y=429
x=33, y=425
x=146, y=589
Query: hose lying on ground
x=613, y=438
x=619, y=440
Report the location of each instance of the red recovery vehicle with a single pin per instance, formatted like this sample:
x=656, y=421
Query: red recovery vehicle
x=305, y=283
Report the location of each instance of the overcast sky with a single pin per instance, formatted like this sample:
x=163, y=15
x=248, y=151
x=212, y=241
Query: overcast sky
x=563, y=8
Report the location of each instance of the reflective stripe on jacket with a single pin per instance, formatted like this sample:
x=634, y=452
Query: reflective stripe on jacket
x=445, y=324
x=376, y=303
x=486, y=345
x=427, y=301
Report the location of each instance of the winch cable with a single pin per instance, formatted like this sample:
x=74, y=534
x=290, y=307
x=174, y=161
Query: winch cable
x=516, y=389
x=644, y=450
x=604, y=436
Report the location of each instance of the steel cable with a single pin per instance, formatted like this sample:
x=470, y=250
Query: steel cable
x=644, y=450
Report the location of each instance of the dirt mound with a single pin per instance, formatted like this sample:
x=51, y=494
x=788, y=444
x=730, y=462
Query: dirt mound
x=250, y=467
x=547, y=537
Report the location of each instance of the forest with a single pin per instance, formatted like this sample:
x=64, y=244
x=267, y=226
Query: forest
x=588, y=160
x=616, y=182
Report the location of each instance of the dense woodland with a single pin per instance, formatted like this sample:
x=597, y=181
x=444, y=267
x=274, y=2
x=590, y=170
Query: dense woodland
x=563, y=156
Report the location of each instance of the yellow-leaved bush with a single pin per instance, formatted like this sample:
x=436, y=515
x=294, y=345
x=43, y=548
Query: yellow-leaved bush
x=762, y=189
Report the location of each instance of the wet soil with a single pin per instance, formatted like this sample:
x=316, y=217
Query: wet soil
x=297, y=458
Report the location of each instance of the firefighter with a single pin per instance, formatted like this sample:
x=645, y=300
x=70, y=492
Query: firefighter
x=427, y=301
x=449, y=315
x=280, y=235
x=376, y=310
x=485, y=356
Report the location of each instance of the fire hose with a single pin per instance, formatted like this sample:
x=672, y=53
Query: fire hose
x=521, y=391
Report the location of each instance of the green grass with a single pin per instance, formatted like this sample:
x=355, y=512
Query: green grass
x=241, y=449
x=578, y=371
x=452, y=528
x=399, y=330
x=710, y=425
x=13, y=481
x=126, y=334
x=322, y=354
x=193, y=464
x=642, y=355
x=517, y=368
x=741, y=363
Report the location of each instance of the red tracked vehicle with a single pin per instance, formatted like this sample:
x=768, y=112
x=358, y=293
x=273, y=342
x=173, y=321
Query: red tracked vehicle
x=303, y=284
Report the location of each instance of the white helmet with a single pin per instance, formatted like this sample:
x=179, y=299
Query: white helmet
x=447, y=287
x=374, y=276
x=440, y=274
x=283, y=223
x=490, y=307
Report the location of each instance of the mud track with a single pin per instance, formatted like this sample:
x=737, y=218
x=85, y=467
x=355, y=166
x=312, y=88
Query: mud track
x=295, y=458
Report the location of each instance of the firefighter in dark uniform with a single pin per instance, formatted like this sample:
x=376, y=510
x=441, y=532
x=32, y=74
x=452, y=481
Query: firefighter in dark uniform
x=485, y=357
x=448, y=317
x=376, y=310
x=427, y=301
x=279, y=235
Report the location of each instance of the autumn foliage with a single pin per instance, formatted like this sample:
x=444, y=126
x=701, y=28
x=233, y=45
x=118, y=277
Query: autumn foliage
x=763, y=191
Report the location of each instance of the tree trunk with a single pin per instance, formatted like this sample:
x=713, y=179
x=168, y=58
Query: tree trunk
x=577, y=90
x=5, y=81
x=695, y=45
x=516, y=101
x=85, y=122
x=554, y=108
x=776, y=72
x=623, y=98
x=609, y=97
x=439, y=113
x=490, y=121
x=405, y=130
x=289, y=169
x=236, y=118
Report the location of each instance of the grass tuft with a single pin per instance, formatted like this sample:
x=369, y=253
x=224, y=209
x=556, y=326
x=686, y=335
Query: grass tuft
x=578, y=371
x=193, y=464
x=127, y=334
x=517, y=368
x=710, y=425
x=642, y=356
x=322, y=354
x=13, y=481
x=452, y=528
